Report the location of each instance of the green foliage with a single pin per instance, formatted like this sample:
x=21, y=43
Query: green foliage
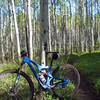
x=7, y=66
x=59, y=21
x=26, y=69
x=89, y=67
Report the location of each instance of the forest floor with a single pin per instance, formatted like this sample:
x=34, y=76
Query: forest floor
x=89, y=68
x=85, y=92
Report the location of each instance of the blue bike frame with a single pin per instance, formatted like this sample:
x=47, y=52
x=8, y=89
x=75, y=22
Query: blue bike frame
x=49, y=76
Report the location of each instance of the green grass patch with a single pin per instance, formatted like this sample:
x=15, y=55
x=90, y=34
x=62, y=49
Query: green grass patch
x=61, y=60
x=89, y=67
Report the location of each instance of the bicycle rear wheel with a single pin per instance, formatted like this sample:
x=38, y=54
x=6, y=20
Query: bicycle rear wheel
x=68, y=72
x=23, y=91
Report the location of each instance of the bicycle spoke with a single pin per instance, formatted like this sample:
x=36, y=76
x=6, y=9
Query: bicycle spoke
x=21, y=92
x=66, y=72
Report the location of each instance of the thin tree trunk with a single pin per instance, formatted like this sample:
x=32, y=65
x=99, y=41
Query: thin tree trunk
x=92, y=24
x=1, y=37
x=55, y=25
x=80, y=24
x=30, y=30
x=71, y=40
x=76, y=33
x=6, y=37
x=34, y=29
x=26, y=26
x=65, y=27
x=87, y=27
x=16, y=28
x=49, y=30
x=98, y=23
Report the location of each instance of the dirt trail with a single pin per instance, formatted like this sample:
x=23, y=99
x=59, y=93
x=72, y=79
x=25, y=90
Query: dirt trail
x=85, y=92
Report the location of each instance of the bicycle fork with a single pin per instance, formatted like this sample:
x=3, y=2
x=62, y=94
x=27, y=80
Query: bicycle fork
x=14, y=88
x=16, y=81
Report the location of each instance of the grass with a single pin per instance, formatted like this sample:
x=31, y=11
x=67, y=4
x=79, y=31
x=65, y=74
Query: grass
x=27, y=70
x=6, y=83
x=88, y=66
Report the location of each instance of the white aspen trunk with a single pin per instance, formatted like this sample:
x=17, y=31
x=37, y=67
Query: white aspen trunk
x=44, y=30
x=80, y=24
x=26, y=26
x=76, y=32
x=71, y=40
x=49, y=30
x=98, y=22
x=61, y=40
x=83, y=28
x=6, y=36
x=64, y=43
x=30, y=31
x=55, y=45
x=95, y=23
x=10, y=31
x=87, y=28
x=1, y=37
x=55, y=25
x=65, y=26
x=2, y=48
x=92, y=25
x=16, y=28
x=6, y=43
x=34, y=31
x=11, y=35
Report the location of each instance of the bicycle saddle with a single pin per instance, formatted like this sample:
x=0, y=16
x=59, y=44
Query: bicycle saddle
x=23, y=53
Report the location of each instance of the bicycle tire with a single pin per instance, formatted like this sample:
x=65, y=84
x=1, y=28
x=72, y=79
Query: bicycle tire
x=66, y=71
x=24, y=90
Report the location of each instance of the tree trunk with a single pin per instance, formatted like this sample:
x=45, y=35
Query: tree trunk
x=50, y=49
x=87, y=28
x=16, y=28
x=55, y=25
x=26, y=26
x=1, y=38
x=6, y=37
x=44, y=30
x=98, y=22
x=71, y=40
x=34, y=32
x=10, y=31
x=92, y=24
x=65, y=28
x=30, y=30
x=80, y=24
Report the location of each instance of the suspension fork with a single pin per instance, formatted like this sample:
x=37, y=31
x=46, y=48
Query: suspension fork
x=17, y=79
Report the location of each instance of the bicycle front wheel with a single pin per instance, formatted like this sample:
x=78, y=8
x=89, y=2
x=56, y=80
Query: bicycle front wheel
x=23, y=91
x=68, y=72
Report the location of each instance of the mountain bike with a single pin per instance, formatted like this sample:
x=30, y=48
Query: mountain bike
x=17, y=85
